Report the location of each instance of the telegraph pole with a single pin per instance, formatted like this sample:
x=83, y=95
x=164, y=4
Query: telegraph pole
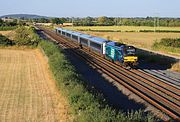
x=72, y=22
x=156, y=21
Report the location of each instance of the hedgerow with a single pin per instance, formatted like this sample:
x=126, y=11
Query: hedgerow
x=87, y=105
x=4, y=41
x=168, y=45
x=26, y=36
x=170, y=42
x=161, y=31
x=5, y=28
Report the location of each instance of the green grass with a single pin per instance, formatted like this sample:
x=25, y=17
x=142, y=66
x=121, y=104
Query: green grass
x=6, y=28
x=87, y=104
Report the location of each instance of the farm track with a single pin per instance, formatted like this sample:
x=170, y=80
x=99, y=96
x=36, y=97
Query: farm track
x=162, y=95
x=27, y=92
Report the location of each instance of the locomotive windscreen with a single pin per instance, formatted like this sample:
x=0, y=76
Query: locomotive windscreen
x=130, y=50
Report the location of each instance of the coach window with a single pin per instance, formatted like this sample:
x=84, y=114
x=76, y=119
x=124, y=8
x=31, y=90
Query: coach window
x=98, y=46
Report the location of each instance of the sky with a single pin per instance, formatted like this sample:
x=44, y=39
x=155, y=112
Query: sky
x=93, y=8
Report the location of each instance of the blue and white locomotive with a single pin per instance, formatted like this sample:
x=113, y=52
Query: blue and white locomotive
x=114, y=51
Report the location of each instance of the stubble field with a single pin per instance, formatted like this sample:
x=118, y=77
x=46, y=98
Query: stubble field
x=5, y=32
x=27, y=90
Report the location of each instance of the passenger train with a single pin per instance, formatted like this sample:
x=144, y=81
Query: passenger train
x=114, y=51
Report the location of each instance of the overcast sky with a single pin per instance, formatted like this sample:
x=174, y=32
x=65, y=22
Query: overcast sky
x=94, y=8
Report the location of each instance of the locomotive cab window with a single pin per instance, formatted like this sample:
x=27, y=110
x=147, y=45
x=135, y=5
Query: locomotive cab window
x=129, y=51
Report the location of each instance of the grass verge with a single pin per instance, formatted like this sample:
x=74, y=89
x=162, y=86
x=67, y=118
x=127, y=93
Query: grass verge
x=6, y=28
x=87, y=104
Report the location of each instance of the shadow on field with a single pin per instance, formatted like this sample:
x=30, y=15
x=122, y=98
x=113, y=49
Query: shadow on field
x=114, y=97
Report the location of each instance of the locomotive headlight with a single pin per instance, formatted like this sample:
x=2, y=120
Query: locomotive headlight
x=130, y=58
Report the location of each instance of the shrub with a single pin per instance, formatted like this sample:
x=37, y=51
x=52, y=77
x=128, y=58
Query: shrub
x=170, y=42
x=26, y=36
x=4, y=41
x=168, y=45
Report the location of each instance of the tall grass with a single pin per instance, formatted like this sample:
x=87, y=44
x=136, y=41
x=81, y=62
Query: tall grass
x=86, y=103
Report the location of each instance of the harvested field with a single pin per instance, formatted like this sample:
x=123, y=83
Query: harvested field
x=27, y=90
x=122, y=28
x=5, y=32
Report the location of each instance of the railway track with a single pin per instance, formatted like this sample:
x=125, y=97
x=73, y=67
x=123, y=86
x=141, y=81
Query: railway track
x=162, y=95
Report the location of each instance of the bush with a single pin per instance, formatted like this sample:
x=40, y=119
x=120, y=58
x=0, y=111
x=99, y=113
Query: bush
x=4, y=41
x=170, y=42
x=86, y=106
x=168, y=45
x=26, y=36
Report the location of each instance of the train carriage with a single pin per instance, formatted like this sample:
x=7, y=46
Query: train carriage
x=59, y=31
x=84, y=39
x=67, y=33
x=97, y=44
x=76, y=36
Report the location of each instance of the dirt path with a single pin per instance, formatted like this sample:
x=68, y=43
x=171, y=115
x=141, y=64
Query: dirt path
x=27, y=91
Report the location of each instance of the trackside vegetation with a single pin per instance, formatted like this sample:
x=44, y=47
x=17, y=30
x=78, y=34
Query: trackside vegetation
x=23, y=36
x=26, y=36
x=168, y=44
x=5, y=28
x=87, y=104
x=4, y=41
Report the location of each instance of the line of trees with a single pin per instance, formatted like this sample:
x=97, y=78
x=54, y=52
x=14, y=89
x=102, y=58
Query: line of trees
x=103, y=21
x=49, y=20
x=112, y=21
